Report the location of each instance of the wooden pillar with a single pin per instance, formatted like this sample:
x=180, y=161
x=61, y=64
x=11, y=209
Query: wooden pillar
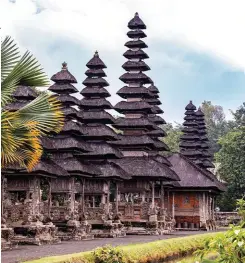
x=116, y=197
x=49, y=197
x=83, y=195
x=153, y=194
x=162, y=195
x=108, y=197
x=173, y=207
x=168, y=202
x=204, y=206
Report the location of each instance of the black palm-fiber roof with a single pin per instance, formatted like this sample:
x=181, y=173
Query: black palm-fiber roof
x=63, y=76
x=95, y=82
x=76, y=167
x=25, y=93
x=63, y=88
x=135, y=44
x=141, y=122
x=146, y=167
x=68, y=100
x=95, y=103
x=134, y=92
x=137, y=33
x=14, y=106
x=95, y=73
x=156, y=119
x=136, y=22
x=135, y=77
x=135, y=65
x=191, y=176
x=95, y=117
x=133, y=106
x=100, y=92
x=153, y=88
x=96, y=62
x=131, y=54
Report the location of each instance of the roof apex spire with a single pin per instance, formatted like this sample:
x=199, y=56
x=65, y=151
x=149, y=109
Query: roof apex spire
x=96, y=53
x=136, y=14
x=64, y=66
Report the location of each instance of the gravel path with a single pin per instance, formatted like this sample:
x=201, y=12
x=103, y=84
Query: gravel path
x=27, y=252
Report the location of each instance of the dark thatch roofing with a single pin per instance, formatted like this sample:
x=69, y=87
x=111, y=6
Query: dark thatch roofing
x=139, y=92
x=14, y=106
x=189, y=129
x=96, y=62
x=142, y=122
x=161, y=146
x=136, y=34
x=157, y=110
x=136, y=22
x=133, y=140
x=190, y=123
x=95, y=117
x=70, y=112
x=136, y=44
x=161, y=159
x=136, y=106
x=135, y=65
x=140, y=54
x=99, y=131
x=146, y=167
x=95, y=73
x=190, y=106
x=199, y=113
x=190, y=153
x=190, y=118
x=153, y=101
x=25, y=93
x=153, y=89
x=135, y=77
x=44, y=167
x=95, y=82
x=111, y=170
x=63, y=88
x=156, y=119
x=189, y=136
x=189, y=144
x=71, y=127
x=191, y=176
x=64, y=75
x=102, y=151
x=95, y=91
x=65, y=144
x=158, y=132
x=75, y=167
x=95, y=103
x=68, y=100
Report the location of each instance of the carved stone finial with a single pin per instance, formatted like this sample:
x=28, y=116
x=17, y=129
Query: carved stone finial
x=136, y=14
x=96, y=53
x=191, y=101
x=64, y=65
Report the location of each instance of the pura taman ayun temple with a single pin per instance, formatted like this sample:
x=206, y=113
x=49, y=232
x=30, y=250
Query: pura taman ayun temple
x=95, y=182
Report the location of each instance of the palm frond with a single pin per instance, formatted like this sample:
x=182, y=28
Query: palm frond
x=9, y=56
x=45, y=111
x=26, y=71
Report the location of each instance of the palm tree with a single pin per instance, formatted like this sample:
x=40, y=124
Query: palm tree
x=21, y=130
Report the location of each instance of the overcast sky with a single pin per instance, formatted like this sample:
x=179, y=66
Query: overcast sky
x=196, y=47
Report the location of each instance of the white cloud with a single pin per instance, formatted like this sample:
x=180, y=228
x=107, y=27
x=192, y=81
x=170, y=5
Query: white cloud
x=214, y=26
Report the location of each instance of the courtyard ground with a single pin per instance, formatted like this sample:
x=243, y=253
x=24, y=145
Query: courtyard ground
x=27, y=252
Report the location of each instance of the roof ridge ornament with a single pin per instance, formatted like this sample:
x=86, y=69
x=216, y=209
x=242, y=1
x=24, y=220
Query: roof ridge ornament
x=96, y=53
x=64, y=66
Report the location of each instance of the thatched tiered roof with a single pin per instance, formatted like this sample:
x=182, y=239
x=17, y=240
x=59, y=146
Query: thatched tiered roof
x=189, y=141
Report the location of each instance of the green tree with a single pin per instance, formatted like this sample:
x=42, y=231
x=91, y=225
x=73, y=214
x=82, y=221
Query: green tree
x=231, y=158
x=173, y=136
x=215, y=123
x=21, y=130
x=238, y=117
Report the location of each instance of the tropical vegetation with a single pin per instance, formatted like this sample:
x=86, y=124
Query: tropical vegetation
x=21, y=130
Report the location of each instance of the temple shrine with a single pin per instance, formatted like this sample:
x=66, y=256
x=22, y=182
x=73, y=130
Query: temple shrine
x=105, y=176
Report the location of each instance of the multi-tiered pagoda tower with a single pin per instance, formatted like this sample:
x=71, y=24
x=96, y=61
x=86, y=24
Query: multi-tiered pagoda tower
x=206, y=157
x=99, y=135
x=189, y=141
x=67, y=193
x=137, y=143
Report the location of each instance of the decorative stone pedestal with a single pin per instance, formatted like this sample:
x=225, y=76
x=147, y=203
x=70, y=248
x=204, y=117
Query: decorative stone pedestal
x=34, y=232
x=7, y=235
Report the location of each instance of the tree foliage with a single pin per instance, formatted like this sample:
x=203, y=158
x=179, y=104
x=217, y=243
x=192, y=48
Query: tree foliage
x=21, y=130
x=173, y=136
x=231, y=158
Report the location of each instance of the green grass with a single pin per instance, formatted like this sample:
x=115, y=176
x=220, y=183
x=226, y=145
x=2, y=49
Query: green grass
x=155, y=251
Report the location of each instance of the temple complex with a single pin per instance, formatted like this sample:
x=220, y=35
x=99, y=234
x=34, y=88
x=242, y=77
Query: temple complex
x=93, y=182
